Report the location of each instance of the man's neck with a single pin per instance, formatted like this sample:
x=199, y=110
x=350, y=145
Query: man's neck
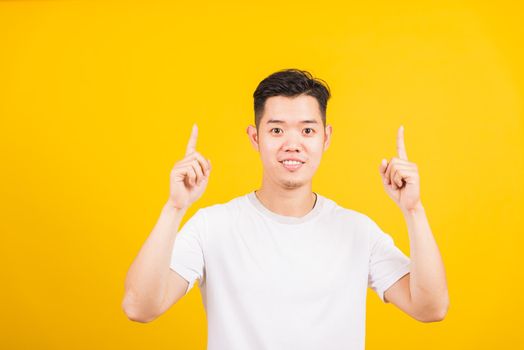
x=297, y=202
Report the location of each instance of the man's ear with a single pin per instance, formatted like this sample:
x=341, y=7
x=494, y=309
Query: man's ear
x=253, y=136
x=328, y=131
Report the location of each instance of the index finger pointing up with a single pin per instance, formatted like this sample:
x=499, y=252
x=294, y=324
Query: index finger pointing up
x=191, y=145
x=401, y=148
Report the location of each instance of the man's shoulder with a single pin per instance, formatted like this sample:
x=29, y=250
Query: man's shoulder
x=357, y=219
x=224, y=207
x=339, y=211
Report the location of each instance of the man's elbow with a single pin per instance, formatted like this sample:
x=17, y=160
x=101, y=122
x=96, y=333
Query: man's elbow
x=436, y=314
x=134, y=315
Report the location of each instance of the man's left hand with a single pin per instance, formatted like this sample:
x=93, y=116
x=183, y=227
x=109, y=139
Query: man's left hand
x=400, y=177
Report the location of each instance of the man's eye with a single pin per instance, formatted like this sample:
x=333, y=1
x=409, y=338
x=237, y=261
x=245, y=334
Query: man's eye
x=309, y=132
x=275, y=129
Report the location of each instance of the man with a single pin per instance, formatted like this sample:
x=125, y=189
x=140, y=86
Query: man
x=284, y=267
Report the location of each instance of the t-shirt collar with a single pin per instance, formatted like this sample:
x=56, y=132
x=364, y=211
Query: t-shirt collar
x=257, y=204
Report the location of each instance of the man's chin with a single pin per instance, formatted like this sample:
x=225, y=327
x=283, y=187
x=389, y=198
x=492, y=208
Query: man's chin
x=291, y=184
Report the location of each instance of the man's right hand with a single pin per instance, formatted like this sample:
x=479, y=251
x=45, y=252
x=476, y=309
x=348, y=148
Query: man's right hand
x=189, y=176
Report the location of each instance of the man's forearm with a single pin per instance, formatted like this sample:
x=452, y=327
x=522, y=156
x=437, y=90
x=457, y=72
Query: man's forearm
x=146, y=278
x=428, y=284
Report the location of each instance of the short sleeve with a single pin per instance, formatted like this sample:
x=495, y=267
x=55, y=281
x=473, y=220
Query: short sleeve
x=387, y=263
x=187, y=257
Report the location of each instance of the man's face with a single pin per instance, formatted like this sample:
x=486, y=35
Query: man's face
x=291, y=128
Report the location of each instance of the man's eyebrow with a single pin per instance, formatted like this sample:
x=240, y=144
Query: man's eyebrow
x=276, y=121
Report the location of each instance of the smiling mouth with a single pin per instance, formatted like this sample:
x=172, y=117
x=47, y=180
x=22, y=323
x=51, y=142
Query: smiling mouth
x=292, y=166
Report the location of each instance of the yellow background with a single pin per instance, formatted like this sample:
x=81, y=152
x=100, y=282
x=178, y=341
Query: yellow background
x=97, y=100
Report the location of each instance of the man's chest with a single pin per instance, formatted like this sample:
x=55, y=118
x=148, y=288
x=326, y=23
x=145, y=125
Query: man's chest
x=283, y=265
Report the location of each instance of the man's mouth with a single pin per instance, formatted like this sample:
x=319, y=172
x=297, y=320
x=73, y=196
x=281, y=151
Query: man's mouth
x=291, y=165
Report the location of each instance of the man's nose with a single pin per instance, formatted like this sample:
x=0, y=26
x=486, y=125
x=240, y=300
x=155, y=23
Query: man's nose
x=292, y=144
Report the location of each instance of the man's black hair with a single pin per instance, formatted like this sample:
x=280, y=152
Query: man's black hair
x=290, y=83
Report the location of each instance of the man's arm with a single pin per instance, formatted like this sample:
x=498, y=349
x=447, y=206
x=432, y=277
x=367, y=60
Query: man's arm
x=422, y=293
x=150, y=287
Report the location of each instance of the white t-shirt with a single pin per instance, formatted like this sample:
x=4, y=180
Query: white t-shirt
x=279, y=282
